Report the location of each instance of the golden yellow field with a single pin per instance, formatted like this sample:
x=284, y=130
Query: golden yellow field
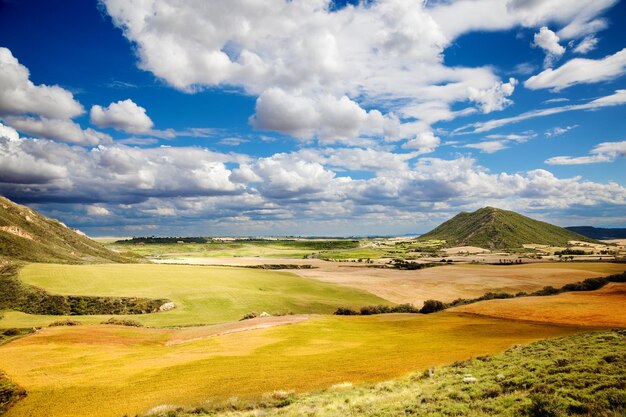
x=112, y=370
x=604, y=307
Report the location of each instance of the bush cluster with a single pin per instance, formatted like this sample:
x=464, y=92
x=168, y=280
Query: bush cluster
x=122, y=322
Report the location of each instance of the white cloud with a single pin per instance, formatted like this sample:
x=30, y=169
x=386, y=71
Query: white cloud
x=580, y=71
x=558, y=131
x=616, y=99
x=549, y=42
x=94, y=210
x=18, y=95
x=275, y=193
x=63, y=130
x=603, y=152
x=576, y=18
x=123, y=115
x=494, y=98
x=317, y=73
x=500, y=142
x=490, y=146
x=588, y=44
x=424, y=142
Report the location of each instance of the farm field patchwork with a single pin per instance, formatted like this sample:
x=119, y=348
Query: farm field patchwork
x=203, y=295
x=449, y=282
x=269, y=248
x=603, y=307
x=77, y=371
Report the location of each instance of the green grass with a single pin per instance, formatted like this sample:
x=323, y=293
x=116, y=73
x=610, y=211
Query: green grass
x=202, y=294
x=103, y=371
x=275, y=248
x=583, y=375
x=362, y=253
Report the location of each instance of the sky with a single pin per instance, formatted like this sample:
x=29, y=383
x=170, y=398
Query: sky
x=311, y=117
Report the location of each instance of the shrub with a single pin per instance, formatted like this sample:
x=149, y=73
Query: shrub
x=346, y=311
x=122, y=322
x=548, y=290
x=379, y=309
x=67, y=322
x=405, y=308
x=248, y=316
x=11, y=332
x=542, y=406
x=432, y=306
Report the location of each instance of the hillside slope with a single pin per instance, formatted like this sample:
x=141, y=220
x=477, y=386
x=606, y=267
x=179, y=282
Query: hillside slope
x=26, y=235
x=599, y=232
x=494, y=228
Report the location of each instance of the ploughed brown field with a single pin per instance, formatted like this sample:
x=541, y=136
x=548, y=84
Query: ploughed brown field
x=446, y=283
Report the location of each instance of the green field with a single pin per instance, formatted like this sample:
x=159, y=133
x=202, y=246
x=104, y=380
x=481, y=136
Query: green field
x=276, y=248
x=111, y=371
x=203, y=295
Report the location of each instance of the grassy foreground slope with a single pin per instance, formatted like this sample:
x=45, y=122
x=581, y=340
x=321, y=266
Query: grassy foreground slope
x=203, y=295
x=28, y=236
x=494, y=228
x=109, y=371
x=583, y=375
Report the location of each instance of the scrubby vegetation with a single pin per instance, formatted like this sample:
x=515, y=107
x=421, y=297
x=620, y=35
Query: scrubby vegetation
x=122, y=322
x=410, y=266
x=28, y=236
x=67, y=322
x=10, y=393
x=9, y=334
x=377, y=309
x=15, y=295
x=582, y=375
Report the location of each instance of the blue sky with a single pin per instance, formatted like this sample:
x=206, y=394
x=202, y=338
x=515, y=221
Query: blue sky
x=312, y=117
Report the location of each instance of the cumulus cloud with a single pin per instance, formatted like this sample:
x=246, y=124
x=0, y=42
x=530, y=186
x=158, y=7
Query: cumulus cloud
x=328, y=118
x=120, y=173
x=63, y=130
x=549, y=42
x=580, y=71
x=274, y=193
x=123, y=115
x=423, y=142
x=18, y=95
x=494, y=98
x=319, y=72
x=603, y=152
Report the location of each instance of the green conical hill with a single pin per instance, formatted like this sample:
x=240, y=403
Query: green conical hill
x=494, y=228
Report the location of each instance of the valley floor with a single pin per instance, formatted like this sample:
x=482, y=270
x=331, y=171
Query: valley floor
x=108, y=370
